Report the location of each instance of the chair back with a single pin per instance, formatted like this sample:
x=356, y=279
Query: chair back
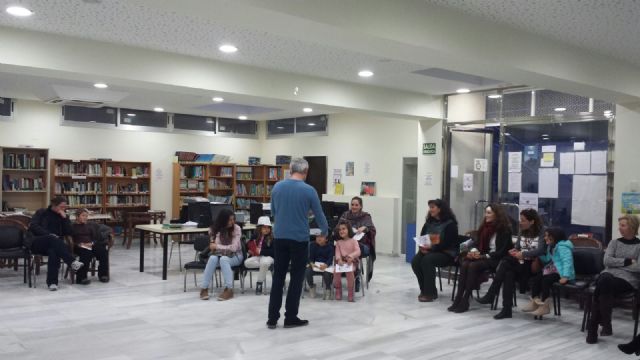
x=200, y=243
x=588, y=261
x=584, y=242
x=11, y=234
x=21, y=218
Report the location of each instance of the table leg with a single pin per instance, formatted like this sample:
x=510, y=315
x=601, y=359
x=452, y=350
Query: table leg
x=165, y=240
x=141, y=250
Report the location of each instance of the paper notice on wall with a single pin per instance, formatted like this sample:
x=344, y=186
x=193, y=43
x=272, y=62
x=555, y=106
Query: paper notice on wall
x=548, y=148
x=467, y=182
x=598, y=162
x=428, y=179
x=337, y=176
x=567, y=163
x=481, y=165
x=515, y=183
x=589, y=200
x=583, y=163
x=548, y=183
x=454, y=171
x=578, y=146
x=515, y=162
x=528, y=201
x=547, y=160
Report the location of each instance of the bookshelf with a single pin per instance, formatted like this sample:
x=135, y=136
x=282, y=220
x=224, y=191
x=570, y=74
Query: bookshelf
x=24, y=176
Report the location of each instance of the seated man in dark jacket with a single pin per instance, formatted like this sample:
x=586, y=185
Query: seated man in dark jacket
x=90, y=240
x=49, y=226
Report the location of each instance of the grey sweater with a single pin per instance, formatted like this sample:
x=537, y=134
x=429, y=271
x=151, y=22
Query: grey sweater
x=614, y=260
x=529, y=250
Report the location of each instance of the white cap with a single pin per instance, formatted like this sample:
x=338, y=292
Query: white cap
x=264, y=220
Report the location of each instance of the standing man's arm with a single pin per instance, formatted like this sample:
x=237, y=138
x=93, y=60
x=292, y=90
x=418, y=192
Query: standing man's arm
x=316, y=207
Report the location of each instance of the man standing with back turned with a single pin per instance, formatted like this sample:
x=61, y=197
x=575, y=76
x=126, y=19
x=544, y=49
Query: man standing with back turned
x=291, y=200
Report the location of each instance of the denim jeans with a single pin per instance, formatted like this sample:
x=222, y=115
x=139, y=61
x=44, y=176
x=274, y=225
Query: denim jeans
x=225, y=267
x=259, y=262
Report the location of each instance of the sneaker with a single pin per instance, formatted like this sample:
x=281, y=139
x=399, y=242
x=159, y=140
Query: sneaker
x=104, y=279
x=295, y=322
x=84, y=282
x=225, y=295
x=204, y=294
x=76, y=265
x=53, y=287
x=312, y=292
x=327, y=295
x=272, y=324
x=258, y=287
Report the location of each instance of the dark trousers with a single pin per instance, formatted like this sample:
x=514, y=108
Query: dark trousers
x=285, y=251
x=53, y=247
x=509, y=269
x=424, y=266
x=471, y=272
x=542, y=285
x=326, y=277
x=101, y=254
x=608, y=287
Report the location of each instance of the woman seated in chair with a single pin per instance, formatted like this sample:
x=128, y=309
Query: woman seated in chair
x=493, y=243
x=225, y=250
x=519, y=266
x=90, y=241
x=347, y=253
x=260, y=250
x=442, y=227
x=620, y=276
x=557, y=268
x=362, y=223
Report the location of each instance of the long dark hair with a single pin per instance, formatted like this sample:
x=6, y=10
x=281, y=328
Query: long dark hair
x=336, y=230
x=445, y=211
x=258, y=233
x=221, y=226
x=502, y=220
x=532, y=215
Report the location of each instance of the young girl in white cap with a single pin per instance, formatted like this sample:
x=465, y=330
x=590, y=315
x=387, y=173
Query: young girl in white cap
x=260, y=251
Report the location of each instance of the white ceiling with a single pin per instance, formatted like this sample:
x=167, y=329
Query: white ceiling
x=608, y=27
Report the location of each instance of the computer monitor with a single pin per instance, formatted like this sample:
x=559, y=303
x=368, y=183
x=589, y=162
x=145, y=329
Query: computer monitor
x=339, y=208
x=216, y=208
x=327, y=209
x=256, y=210
x=200, y=212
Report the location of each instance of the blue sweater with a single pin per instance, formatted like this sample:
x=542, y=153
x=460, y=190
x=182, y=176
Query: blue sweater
x=291, y=201
x=323, y=254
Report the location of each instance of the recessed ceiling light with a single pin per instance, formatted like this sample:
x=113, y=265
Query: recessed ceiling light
x=507, y=134
x=494, y=96
x=463, y=91
x=365, y=73
x=228, y=48
x=218, y=99
x=242, y=117
x=307, y=110
x=560, y=109
x=543, y=135
x=131, y=115
x=280, y=127
x=311, y=124
x=209, y=121
x=100, y=85
x=19, y=11
x=158, y=109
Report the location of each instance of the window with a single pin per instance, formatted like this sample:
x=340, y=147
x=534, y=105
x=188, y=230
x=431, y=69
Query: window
x=6, y=107
x=194, y=122
x=234, y=126
x=281, y=127
x=143, y=118
x=550, y=102
x=313, y=125
x=104, y=115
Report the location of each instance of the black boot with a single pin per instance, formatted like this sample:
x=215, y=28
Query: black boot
x=631, y=347
x=592, y=324
x=606, y=307
x=463, y=305
x=505, y=313
x=486, y=299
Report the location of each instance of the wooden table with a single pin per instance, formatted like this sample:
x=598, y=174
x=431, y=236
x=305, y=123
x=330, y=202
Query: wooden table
x=164, y=233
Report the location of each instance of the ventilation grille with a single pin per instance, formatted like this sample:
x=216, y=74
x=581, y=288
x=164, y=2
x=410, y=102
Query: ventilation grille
x=75, y=102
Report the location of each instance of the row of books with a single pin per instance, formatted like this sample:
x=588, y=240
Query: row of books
x=226, y=171
x=192, y=171
x=187, y=156
x=78, y=187
x=245, y=203
x=274, y=174
x=129, y=200
x=219, y=184
x=250, y=190
x=244, y=173
x=24, y=161
x=84, y=200
x=269, y=189
x=191, y=185
x=127, y=188
x=80, y=169
x=22, y=184
x=119, y=170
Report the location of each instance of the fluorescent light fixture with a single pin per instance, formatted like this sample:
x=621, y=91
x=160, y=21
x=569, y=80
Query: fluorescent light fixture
x=307, y=109
x=218, y=99
x=131, y=115
x=311, y=124
x=492, y=124
x=100, y=85
x=242, y=117
x=560, y=109
x=228, y=48
x=19, y=11
x=545, y=135
x=209, y=121
x=494, y=96
x=607, y=113
x=507, y=134
x=365, y=73
x=280, y=127
x=158, y=109
x=463, y=91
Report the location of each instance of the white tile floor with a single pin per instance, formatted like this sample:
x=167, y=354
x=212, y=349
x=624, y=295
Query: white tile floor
x=139, y=316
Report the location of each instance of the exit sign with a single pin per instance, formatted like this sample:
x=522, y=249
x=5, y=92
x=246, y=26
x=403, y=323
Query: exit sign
x=429, y=149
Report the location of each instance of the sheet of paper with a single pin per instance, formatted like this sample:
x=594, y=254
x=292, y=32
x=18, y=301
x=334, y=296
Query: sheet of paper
x=481, y=165
x=343, y=268
x=578, y=146
x=454, y=171
x=567, y=163
x=467, y=182
x=547, y=160
x=515, y=182
x=548, y=148
x=359, y=236
x=548, y=183
x=589, y=200
x=316, y=266
x=515, y=162
x=583, y=163
x=598, y=162
x=423, y=240
x=528, y=201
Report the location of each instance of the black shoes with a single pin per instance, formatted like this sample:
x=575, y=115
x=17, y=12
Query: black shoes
x=462, y=307
x=295, y=322
x=258, y=287
x=272, y=324
x=486, y=299
x=505, y=313
x=104, y=279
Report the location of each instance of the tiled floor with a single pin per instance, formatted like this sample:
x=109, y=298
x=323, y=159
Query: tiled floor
x=139, y=316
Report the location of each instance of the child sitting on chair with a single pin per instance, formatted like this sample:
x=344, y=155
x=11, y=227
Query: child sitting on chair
x=260, y=249
x=320, y=254
x=347, y=253
x=89, y=241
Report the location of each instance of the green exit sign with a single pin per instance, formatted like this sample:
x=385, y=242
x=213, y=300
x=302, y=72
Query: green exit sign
x=429, y=149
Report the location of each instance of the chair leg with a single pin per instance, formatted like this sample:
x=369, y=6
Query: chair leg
x=171, y=254
x=455, y=283
x=179, y=253
x=185, y=280
x=439, y=277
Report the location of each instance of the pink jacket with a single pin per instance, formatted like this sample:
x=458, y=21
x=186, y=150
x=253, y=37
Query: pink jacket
x=235, y=246
x=347, y=247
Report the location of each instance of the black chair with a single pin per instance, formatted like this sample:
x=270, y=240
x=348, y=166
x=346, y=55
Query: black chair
x=629, y=300
x=588, y=263
x=12, y=245
x=200, y=243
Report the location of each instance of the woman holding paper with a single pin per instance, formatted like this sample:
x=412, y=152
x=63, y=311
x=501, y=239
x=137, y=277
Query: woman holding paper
x=440, y=231
x=347, y=254
x=493, y=243
x=365, y=231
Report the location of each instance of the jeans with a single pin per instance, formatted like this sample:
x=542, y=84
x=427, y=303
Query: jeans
x=296, y=252
x=259, y=262
x=100, y=252
x=55, y=248
x=225, y=267
x=424, y=266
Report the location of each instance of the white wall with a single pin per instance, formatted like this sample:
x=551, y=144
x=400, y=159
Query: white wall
x=429, y=166
x=38, y=124
x=627, y=169
x=466, y=107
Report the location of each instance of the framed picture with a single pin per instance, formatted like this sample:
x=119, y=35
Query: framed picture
x=368, y=188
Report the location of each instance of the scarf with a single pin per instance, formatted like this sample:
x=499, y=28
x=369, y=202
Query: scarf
x=359, y=219
x=484, y=236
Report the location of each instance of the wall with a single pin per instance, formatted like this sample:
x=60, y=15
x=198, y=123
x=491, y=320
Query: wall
x=38, y=124
x=466, y=107
x=625, y=158
x=429, y=169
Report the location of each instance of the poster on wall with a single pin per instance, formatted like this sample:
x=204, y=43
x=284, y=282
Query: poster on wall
x=528, y=201
x=368, y=188
x=583, y=163
x=589, y=200
x=515, y=162
x=454, y=171
x=467, y=182
x=348, y=168
x=630, y=203
x=567, y=163
x=337, y=176
x=547, y=160
x=598, y=162
x=515, y=182
x=548, y=183
x=481, y=165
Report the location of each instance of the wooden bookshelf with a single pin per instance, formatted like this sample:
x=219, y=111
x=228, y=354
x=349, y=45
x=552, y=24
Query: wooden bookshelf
x=24, y=176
